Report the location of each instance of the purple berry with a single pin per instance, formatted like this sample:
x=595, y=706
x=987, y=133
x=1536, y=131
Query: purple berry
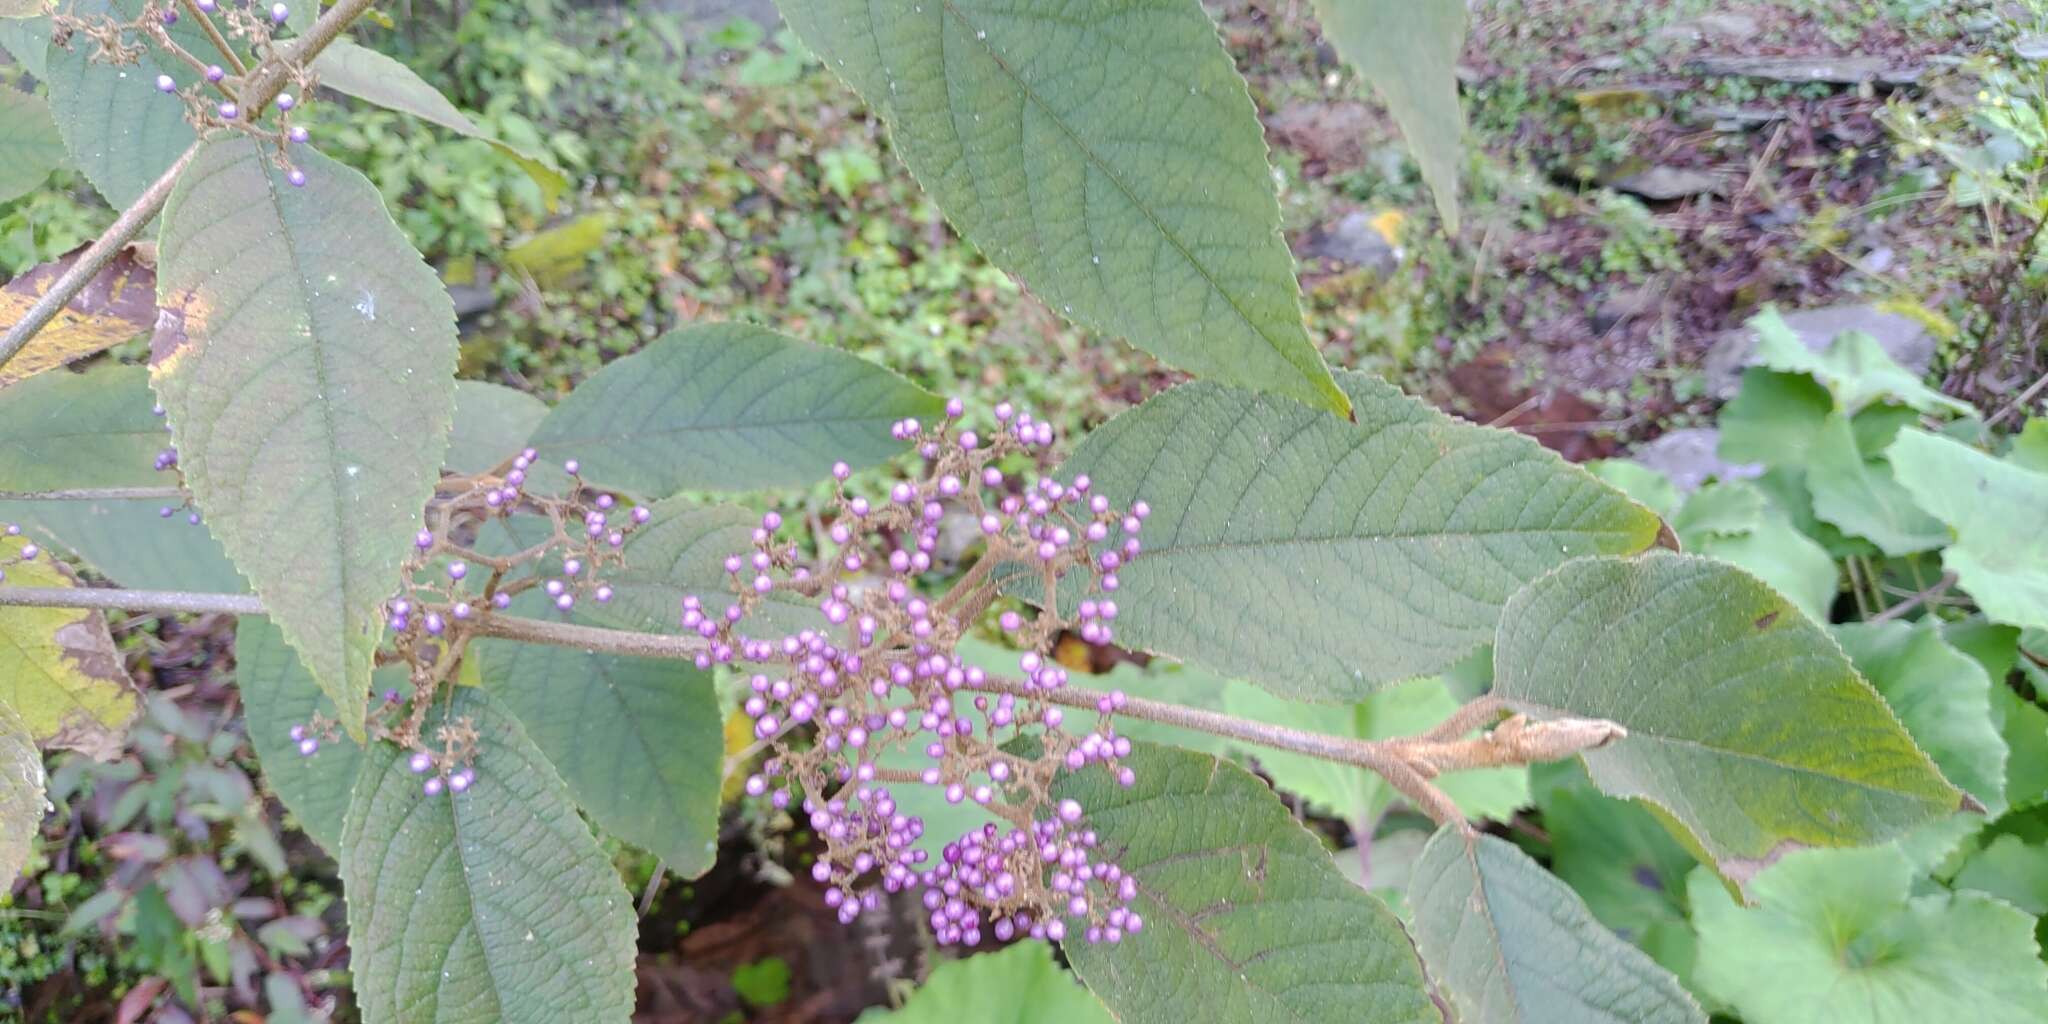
x=457, y=570
x=165, y=83
x=565, y=602
x=215, y=72
x=298, y=732
x=299, y=133
x=279, y=12
x=461, y=610
x=420, y=762
x=229, y=112
x=30, y=551
x=285, y=101
x=501, y=601
x=165, y=512
x=642, y=514
x=572, y=467
x=433, y=786
x=424, y=539
x=461, y=780
x=296, y=177
x=307, y=746
x=170, y=17
x=435, y=624
x=209, y=6
x=604, y=593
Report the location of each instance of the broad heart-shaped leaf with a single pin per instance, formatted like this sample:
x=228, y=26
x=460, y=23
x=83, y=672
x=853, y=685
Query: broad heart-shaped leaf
x=132, y=543
x=1837, y=938
x=1777, y=552
x=21, y=794
x=485, y=906
x=121, y=132
x=1861, y=495
x=1774, y=418
x=59, y=670
x=1854, y=368
x=116, y=304
x=1246, y=917
x=278, y=693
x=1941, y=694
x=2011, y=869
x=1108, y=155
x=2000, y=554
x=729, y=407
x=368, y=75
x=492, y=423
x=1746, y=723
x=1511, y=943
x=310, y=394
x=1021, y=984
x=1323, y=559
x=29, y=145
x=1408, y=50
x=639, y=741
x=91, y=429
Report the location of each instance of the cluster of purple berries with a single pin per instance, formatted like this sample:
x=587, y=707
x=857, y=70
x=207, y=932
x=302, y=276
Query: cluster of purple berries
x=258, y=25
x=29, y=551
x=167, y=461
x=884, y=675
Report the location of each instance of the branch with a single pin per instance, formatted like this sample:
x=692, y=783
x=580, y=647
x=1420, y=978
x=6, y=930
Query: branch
x=257, y=92
x=95, y=257
x=94, y=494
x=1406, y=762
x=1940, y=587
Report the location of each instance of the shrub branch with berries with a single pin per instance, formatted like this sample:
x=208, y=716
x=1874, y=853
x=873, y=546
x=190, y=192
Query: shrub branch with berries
x=448, y=662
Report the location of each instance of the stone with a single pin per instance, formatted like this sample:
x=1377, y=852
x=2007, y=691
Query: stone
x=1903, y=338
x=1662, y=184
x=1355, y=240
x=1690, y=457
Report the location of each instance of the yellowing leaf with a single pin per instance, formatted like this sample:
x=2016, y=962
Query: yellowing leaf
x=116, y=305
x=21, y=794
x=58, y=667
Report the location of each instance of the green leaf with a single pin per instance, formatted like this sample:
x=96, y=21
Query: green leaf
x=1861, y=495
x=492, y=423
x=1021, y=983
x=1774, y=418
x=310, y=402
x=1837, y=938
x=639, y=741
x=278, y=693
x=1409, y=51
x=485, y=906
x=1746, y=723
x=1782, y=556
x=729, y=407
x=21, y=795
x=1042, y=131
x=1356, y=794
x=132, y=543
x=2030, y=446
x=1246, y=918
x=1941, y=694
x=1323, y=559
x=1724, y=509
x=2011, y=869
x=30, y=147
x=1646, y=486
x=59, y=670
x=2000, y=554
x=1511, y=943
x=1855, y=369
x=27, y=40
x=680, y=552
x=120, y=131
x=94, y=429
x=1624, y=863
x=2024, y=726
x=368, y=75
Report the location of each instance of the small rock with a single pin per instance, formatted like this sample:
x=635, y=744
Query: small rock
x=1666, y=183
x=1690, y=457
x=1902, y=337
x=1354, y=240
x=1727, y=27
x=1625, y=304
x=1851, y=70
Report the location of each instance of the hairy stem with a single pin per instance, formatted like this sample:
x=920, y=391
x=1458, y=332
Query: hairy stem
x=94, y=494
x=1406, y=762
